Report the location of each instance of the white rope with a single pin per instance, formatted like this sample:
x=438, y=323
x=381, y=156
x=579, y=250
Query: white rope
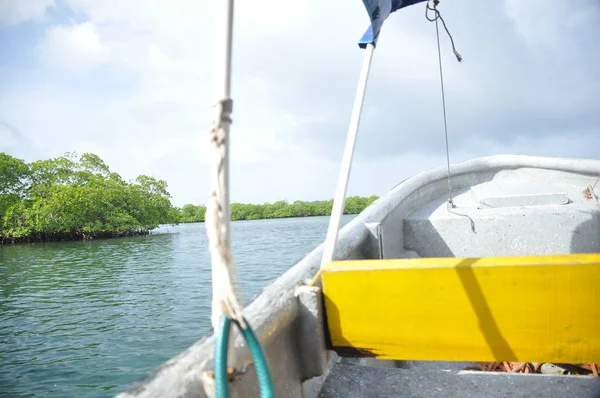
x=218, y=225
x=346, y=167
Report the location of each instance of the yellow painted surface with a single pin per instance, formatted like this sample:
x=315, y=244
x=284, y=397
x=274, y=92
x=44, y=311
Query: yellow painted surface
x=529, y=309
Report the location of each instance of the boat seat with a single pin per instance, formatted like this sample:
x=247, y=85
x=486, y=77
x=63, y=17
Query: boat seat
x=526, y=309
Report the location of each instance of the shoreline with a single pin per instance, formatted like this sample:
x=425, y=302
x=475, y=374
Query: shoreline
x=271, y=218
x=78, y=198
x=56, y=237
x=279, y=209
x=78, y=236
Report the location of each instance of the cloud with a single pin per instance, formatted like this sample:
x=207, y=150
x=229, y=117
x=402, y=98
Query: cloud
x=14, y=12
x=554, y=24
x=73, y=47
x=132, y=82
x=13, y=142
x=503, y=90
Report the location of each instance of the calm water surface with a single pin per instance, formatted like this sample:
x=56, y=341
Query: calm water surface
x=89, y=318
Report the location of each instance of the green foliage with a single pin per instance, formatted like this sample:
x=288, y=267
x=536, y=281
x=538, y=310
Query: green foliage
x=280, y=209
x=71, y=198
x=191, y=213
x=15, y=174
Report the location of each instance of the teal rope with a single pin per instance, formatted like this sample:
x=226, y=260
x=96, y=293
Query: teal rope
x=262, y=368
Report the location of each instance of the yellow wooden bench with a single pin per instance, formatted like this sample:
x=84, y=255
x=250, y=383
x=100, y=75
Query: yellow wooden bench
x=527, y=309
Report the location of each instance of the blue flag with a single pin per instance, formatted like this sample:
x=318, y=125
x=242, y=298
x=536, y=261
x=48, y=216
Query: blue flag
x=378, y=11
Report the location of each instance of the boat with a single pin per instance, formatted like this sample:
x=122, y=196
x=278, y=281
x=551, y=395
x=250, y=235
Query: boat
x=506, y=205
x=453, y=275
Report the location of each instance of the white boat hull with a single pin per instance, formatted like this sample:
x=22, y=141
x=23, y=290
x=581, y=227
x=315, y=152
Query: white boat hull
x=505, y=205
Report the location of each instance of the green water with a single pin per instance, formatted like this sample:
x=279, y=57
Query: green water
x=87, y=319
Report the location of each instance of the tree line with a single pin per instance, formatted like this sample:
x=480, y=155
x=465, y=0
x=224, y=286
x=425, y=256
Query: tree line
x=279, y=209
x=75, y=197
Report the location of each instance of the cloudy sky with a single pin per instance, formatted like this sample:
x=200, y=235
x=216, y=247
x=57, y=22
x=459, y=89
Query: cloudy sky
x=131, y=81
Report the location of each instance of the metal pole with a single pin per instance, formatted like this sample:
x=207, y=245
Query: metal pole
x=346, y=167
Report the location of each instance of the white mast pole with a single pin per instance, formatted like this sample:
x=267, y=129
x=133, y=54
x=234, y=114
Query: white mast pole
x=346, y=167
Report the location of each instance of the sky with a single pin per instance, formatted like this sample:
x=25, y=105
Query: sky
x=131, y=81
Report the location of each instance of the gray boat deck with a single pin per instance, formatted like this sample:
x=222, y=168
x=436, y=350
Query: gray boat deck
x=445, y=380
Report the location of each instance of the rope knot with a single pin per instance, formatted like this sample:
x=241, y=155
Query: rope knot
x=225, y=108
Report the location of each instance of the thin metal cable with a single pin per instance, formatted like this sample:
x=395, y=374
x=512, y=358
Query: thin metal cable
x=451, y=205
x=437, y=33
